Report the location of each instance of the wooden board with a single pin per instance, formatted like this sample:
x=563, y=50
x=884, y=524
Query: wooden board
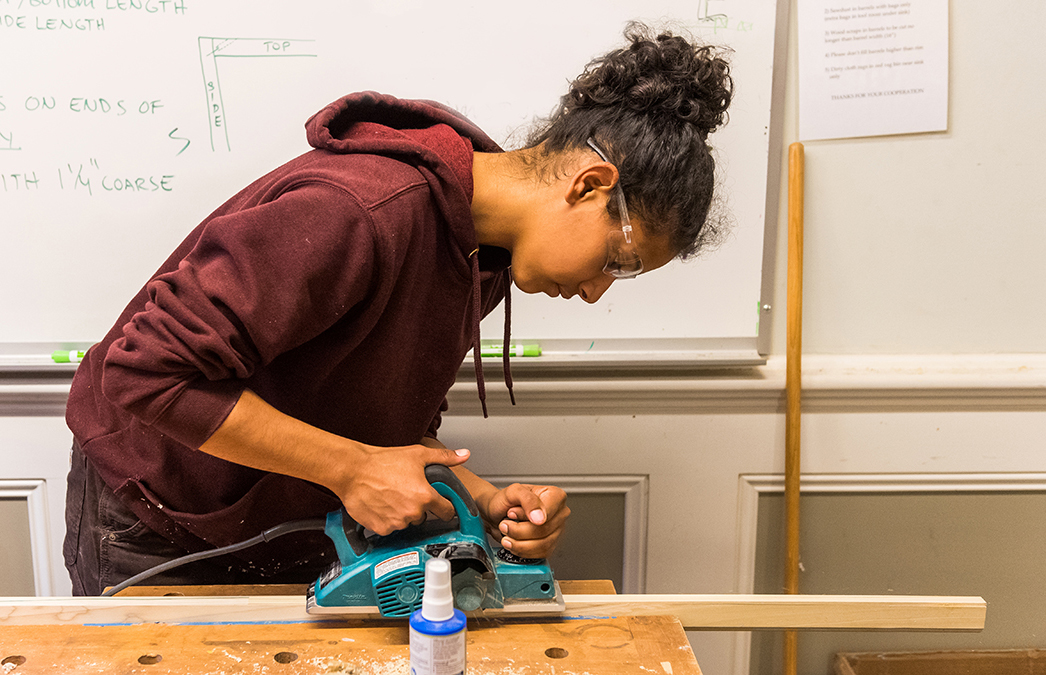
x=719, y=612
x=654, y=644
x=801, y=612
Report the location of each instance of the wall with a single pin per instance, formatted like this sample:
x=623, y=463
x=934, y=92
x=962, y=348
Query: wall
x=955, y=542
x=934, y=243
x=925, y=352
x=16, y=563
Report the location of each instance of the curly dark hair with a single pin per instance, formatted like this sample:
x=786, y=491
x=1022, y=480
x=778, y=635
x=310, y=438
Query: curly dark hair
x=651, y=106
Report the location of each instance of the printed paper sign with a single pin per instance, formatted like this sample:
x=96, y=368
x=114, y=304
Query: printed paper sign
x=872, y=68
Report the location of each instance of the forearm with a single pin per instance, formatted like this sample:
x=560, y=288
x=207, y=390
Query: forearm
x=383, y=488
x=259, y=436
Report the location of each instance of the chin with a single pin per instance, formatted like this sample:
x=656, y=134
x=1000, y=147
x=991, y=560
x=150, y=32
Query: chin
x=527, y=286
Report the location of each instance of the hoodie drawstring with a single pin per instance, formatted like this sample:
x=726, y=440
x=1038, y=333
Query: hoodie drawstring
x=508, y=334
x=477, y=315
x=476, y=312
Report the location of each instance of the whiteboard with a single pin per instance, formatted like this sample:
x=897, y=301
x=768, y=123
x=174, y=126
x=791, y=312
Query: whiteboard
x=123, y=123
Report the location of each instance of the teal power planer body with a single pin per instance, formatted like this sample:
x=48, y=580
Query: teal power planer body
x=386, y=575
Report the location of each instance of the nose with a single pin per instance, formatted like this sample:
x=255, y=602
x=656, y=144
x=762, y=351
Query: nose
x=593, y=289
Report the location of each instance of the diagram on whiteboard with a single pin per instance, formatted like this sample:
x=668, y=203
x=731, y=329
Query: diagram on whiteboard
x=710, y=14
x=214, y=48
x=122, y=127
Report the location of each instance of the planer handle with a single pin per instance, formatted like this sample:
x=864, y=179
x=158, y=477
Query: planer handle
x=439, y=473
x=439, y=476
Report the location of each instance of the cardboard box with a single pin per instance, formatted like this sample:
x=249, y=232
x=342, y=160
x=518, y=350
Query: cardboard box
x=974, y=662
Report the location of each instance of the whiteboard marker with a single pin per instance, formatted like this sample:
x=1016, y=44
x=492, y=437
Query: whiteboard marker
x=518, y=349
x=68, y=355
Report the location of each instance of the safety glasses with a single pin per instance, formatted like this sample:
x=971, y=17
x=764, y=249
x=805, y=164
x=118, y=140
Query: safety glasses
x=622, y=257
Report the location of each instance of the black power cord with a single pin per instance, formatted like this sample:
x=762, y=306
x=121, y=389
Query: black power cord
x=267, y=535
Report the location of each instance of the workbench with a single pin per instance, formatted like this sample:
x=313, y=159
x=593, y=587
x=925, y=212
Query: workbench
x=496, y=646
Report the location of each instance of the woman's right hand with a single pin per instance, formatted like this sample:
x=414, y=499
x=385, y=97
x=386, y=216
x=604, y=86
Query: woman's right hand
x=385, y=488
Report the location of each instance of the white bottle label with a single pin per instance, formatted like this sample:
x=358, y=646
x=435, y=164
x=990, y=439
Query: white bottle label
x=437, y=654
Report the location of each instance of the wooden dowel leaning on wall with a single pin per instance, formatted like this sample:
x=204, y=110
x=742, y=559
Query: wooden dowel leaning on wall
x=793, y=389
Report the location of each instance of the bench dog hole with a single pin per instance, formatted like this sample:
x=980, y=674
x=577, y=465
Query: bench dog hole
x=285, y=657
x=149, y=659
x=16, y=660
x=556, y=653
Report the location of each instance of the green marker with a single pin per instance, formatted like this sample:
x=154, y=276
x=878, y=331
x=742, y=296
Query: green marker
x=518, y=349
x=68, y=355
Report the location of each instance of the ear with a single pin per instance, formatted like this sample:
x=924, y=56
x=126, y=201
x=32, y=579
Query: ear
x=596, y=178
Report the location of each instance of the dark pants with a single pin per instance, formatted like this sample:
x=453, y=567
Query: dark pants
x=105, y=544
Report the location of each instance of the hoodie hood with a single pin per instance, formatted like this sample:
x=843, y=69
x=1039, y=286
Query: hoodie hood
x=429, y=136
x=426, y=134
x=332, y=128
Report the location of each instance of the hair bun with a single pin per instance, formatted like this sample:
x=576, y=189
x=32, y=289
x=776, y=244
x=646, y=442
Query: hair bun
x=664, y=76
x=650, y=106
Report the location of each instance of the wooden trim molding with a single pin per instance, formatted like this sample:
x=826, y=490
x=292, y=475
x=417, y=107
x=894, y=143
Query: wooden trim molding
x=831, y=383
x=750, y=487
x=635, y=489
x=34, y=494
x=33, y=398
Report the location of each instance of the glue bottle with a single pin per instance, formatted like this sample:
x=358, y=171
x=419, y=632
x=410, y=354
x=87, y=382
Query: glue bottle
x=437, y=630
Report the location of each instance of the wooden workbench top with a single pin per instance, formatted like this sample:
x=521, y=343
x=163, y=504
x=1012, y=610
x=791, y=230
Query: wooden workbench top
x=633, y=644
x=499, y=646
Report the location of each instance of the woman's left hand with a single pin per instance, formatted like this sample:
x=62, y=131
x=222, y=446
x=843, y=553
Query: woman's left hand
x=531, y=518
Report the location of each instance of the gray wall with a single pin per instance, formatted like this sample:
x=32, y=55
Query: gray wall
x=16, y=562
x=987, y=544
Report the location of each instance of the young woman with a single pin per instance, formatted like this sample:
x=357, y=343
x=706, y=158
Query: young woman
x=294, y=353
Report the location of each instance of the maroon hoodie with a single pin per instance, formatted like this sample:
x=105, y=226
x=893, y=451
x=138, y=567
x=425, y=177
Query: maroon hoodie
x=339, y=287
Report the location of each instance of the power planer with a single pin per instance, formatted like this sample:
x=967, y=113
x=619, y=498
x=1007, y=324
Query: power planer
x=386, y=575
